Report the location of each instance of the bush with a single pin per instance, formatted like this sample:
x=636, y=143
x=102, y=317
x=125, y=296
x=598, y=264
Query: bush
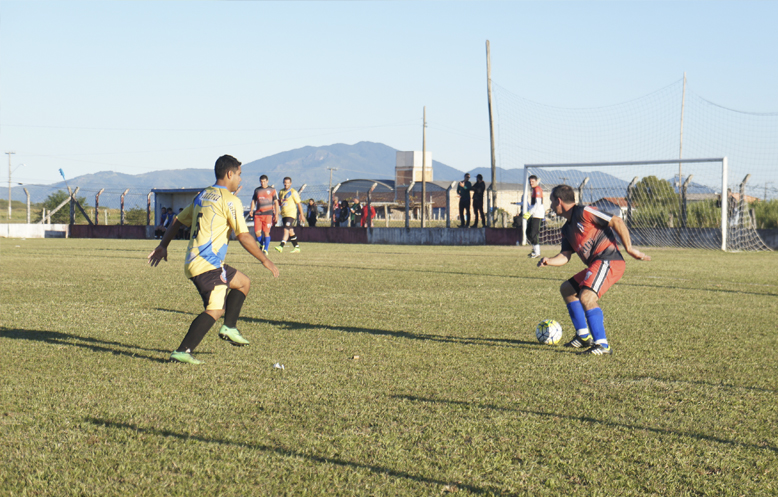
x=62, y=216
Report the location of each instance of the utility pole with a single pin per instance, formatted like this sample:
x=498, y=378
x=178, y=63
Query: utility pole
x=490, y=215
x=9, y=183
x=564, y=179
x=329, y=193
x=424, y=170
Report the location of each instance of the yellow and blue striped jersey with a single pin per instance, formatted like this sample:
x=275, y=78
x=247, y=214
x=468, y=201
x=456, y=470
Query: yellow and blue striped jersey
x=289, y=200
x=212, y=215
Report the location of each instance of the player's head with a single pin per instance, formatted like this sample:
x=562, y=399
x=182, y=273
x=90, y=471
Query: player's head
x=287, y=182
x=533, y=181
x=225, y=164
x=562, y=194
x=263, y=181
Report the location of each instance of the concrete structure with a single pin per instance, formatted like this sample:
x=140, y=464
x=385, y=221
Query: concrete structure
x=177, y=198
x=34, y=230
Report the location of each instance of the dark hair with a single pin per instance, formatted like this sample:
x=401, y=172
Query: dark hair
x=478, y=176
x=288, y=178
x=225, y=164
x=564, y=193
x=533, y=177
x=264, y=176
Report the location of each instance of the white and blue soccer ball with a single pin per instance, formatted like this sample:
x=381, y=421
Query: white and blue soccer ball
x=548, y=332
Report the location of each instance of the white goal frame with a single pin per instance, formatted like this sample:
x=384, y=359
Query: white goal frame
x=721, y=160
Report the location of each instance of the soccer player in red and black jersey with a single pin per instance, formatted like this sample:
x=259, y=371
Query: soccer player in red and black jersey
x=589, y=232
x=264, y=208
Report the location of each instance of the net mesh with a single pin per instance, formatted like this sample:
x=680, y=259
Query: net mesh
x=649, y=128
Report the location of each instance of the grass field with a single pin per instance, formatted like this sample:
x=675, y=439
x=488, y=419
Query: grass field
x=408, y=371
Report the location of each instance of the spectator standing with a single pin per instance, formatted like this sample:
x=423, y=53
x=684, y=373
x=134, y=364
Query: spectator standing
x=478, y=200
x=463, y=190
x=356, y=213
x=367, y=216
x=313, y=213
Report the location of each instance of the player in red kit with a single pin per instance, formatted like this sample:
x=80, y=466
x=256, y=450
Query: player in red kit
x=589, y=232
x=264, y=208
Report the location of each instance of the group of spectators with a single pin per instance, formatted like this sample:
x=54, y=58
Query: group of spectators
x=352, y=215
x=166, y=221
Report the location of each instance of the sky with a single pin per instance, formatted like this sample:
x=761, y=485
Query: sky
x=141, y=86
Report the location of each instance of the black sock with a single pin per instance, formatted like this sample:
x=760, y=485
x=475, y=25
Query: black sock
x=294, y=240
x=197, y=331
x=234, y=304
x=283, y=243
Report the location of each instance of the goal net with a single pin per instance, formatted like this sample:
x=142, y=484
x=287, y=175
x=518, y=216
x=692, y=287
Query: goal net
x=671, y=202
x=658, y=212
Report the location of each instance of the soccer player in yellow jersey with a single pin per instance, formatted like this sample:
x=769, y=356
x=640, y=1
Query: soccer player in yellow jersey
x=213, y=215
x=291, y=208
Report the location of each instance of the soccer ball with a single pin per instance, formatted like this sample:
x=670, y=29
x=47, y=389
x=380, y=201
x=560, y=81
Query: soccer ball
x=549, y=332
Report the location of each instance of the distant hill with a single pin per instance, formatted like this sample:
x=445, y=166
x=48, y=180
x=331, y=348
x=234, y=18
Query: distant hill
x=364, y=160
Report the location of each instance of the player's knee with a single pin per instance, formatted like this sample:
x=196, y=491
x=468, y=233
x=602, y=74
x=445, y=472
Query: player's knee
x=589, y=299
x=215, y=313
x=567, y=290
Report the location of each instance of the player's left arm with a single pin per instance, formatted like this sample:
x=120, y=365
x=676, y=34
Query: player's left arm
x=560, y=259
x=617, y=224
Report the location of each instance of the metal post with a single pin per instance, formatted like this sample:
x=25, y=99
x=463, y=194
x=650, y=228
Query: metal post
x=332, y=199
x=448, y=203
x=97, y=206
x=148, y=209
x=424, y=171
x=329, y=193
x=724, y=199
x=680, y=149
x=629, y=201
x=742, y=203
x=408, y=204
x=580, y=190
x=9, y=182
x=121, y=220
x=683, y=200
x=525, y=205
x=28, y=204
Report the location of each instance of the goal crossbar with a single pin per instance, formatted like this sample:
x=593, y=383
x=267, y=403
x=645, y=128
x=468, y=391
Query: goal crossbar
x=721, y=160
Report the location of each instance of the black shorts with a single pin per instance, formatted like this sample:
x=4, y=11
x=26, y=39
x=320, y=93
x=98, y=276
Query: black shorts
x=213, y=285
x=288, y=222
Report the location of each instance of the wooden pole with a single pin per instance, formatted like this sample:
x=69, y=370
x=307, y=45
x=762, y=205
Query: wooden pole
x=490, y=215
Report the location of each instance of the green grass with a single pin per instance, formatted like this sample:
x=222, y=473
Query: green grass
x=450, y=391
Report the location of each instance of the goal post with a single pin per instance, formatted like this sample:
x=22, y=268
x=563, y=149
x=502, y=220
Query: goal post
x=674, y=212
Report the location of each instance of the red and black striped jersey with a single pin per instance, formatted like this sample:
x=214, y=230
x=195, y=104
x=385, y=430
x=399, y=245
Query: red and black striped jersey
x=587, y=234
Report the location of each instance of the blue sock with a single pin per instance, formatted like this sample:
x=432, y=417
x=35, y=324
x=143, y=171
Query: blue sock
x=261, y=240
x=597, y=325
x=267, y=243
x=577, y=315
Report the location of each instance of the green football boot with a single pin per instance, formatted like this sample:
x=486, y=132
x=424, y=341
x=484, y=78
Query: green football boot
x=296, y=250
x=233, y=336
x=184, y=357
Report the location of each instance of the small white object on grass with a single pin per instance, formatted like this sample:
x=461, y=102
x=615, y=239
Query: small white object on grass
x=278, y=365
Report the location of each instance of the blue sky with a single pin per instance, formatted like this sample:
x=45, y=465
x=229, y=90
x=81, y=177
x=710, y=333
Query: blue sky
x=135, y=87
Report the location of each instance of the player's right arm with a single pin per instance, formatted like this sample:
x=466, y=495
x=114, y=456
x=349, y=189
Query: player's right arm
x=250, y=244
x=251, y=208
x=560, y=259
x=160, y=253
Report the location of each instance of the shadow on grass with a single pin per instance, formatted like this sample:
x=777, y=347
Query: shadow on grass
x=298, y=326
x=661, y=431
x=283, y=452
x=554, y=277
x=700, y=383
x=93, y=344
